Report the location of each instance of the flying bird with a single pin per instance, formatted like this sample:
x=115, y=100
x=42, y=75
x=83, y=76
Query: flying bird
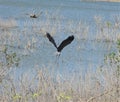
x=63, y=43
x=33, y=16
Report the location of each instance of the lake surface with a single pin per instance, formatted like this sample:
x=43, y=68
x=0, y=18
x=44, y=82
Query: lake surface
x=62, y=17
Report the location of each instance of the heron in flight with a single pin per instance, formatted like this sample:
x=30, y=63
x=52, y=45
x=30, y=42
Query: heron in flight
x=63, y=43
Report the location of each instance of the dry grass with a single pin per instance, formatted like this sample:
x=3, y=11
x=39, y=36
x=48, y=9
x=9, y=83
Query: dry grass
x=95, y=87
x=99, y=86
x=107, y=30
x=7, y=23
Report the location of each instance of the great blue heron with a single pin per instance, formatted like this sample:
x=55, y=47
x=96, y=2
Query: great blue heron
x=63, y=43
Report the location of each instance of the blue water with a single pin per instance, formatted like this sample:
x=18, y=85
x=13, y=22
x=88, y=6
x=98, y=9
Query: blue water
x=80, y=55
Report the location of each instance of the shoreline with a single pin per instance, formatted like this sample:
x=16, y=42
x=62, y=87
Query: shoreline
x=102, y=0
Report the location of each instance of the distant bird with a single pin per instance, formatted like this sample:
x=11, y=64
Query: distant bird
x=33, y=16
x=63, y=43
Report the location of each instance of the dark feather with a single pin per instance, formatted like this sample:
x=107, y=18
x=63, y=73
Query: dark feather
x=51, y=39
x=33, y=16
x=65, y=43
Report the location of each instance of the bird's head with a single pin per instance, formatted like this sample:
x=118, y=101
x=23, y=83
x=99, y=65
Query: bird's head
x=57, y=53
x=71, y=37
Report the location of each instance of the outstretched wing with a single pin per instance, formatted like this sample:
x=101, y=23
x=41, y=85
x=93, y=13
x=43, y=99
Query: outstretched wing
x=65, y=43
x=51, y=39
